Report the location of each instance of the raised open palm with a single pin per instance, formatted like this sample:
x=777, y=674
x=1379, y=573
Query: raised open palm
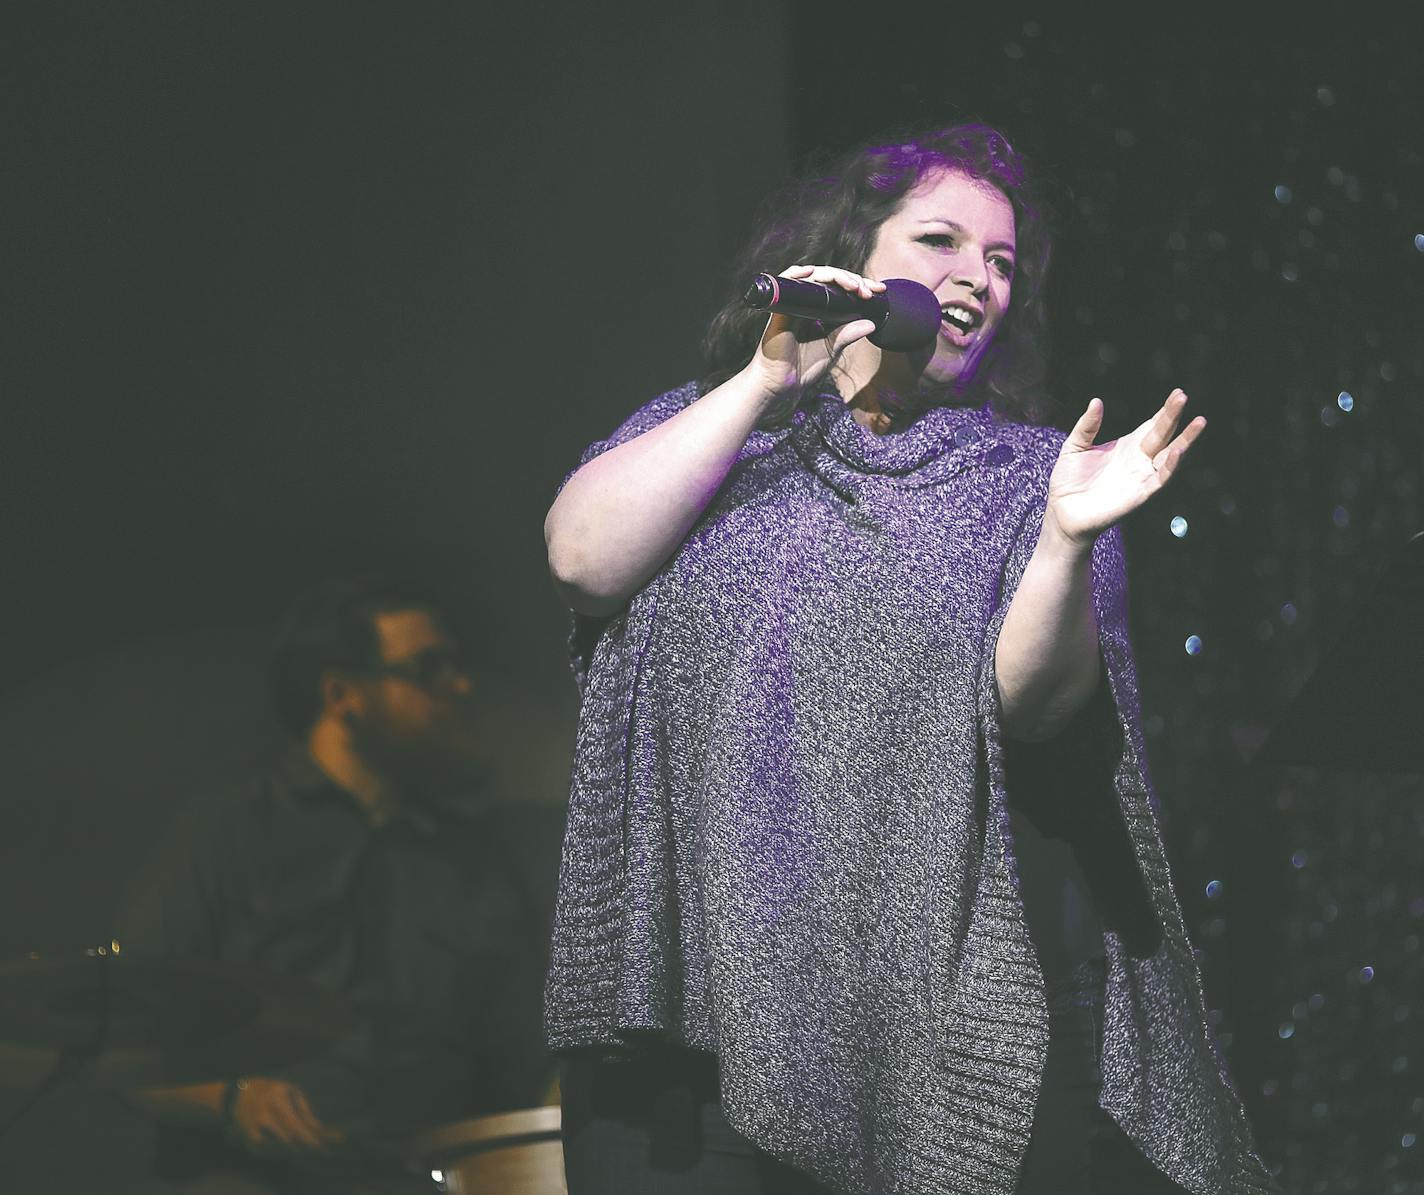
x=1095, y=485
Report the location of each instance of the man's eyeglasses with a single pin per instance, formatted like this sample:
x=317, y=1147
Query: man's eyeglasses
x=427, y=669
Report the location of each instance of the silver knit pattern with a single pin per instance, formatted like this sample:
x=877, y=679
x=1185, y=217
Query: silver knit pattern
x=787, y=839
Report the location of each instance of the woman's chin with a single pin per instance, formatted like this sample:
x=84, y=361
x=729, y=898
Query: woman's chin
x=945, y=379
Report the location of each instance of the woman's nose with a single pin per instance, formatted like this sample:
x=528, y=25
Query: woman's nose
x=969, y=271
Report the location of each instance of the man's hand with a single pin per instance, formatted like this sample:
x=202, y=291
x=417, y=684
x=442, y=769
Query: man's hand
x=268, y=1112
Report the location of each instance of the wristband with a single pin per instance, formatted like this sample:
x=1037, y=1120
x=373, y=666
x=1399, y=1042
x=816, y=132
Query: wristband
x=228, y=1112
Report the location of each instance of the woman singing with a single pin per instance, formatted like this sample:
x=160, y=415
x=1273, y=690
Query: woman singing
x=862, y=887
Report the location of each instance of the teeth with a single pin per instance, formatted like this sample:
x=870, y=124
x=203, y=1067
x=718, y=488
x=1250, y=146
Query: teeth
x=961, y=318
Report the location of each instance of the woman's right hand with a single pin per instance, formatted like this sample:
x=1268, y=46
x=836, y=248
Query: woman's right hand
x=625, y=512
x=796, y=352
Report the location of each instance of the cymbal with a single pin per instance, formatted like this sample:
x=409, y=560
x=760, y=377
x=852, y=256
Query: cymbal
x=158, y=1020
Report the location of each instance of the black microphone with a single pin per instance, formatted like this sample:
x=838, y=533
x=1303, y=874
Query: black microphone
x=906, y=314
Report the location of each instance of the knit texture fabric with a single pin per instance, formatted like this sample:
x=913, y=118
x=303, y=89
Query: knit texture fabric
x=788, y=842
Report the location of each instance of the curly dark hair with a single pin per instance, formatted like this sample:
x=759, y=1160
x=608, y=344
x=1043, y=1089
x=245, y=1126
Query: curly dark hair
x=834, y=217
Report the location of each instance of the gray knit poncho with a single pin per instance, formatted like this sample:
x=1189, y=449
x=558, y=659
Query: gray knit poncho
x=788, y=842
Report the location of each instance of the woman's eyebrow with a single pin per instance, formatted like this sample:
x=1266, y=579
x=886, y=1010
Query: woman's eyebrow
x=955, y=226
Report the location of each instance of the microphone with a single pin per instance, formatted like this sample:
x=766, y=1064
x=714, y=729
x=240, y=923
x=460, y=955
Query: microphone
x=906, y=314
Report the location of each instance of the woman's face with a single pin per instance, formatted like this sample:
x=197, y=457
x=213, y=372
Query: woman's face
x=954, y=234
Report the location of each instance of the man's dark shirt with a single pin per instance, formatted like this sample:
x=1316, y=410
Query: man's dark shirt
x=434, y=925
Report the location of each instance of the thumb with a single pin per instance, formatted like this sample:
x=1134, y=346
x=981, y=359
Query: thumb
x=842, y=337
x=1086, y=430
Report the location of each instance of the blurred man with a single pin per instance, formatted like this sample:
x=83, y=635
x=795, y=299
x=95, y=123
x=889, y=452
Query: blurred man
x=359, y=862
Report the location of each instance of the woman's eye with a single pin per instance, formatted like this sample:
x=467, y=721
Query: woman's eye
x=1004, y=266
x=940, y=240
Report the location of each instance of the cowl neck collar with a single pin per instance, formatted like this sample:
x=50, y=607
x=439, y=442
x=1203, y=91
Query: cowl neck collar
x=826, y=426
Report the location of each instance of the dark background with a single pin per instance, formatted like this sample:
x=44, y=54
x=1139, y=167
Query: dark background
x=313, y=288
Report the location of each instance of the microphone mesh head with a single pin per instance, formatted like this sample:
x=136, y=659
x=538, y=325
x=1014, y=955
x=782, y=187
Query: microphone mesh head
x=911, y=319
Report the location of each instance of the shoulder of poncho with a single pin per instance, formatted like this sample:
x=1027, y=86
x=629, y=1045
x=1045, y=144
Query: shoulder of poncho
x=1036, y=445
x=646, y=417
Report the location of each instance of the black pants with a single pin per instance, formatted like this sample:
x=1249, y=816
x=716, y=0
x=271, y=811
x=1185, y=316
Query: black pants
x=653, y=1125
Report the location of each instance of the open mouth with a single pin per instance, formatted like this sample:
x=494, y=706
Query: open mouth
x=961, y=319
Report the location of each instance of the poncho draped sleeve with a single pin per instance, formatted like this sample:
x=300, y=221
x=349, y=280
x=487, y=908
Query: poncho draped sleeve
x=788, y=842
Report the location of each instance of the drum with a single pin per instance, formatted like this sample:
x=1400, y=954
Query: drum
x=513, y=1153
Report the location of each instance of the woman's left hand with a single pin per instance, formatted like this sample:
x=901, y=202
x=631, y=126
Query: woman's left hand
x=1095, y=485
